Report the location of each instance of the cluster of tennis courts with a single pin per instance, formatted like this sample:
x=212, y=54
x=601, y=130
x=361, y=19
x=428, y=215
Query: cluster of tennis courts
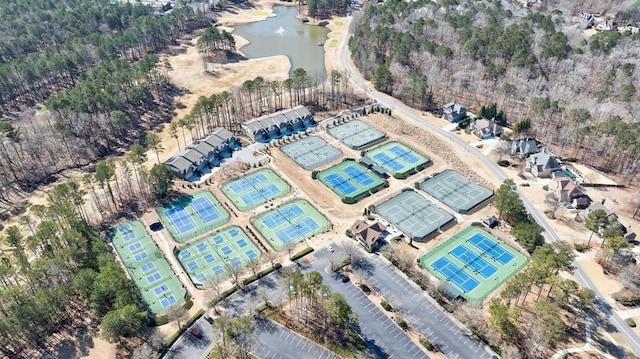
x=398, y=159
x=150, y=271
x=311, y=152
x=414, y=215
x=255, y=189
x=356, y=134
x=456, y=191
x=216, y=256
x=473, y=263
x=192, y=215
x=350, y=180
x=292, y=222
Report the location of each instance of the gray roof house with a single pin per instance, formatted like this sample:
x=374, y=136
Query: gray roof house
x=542, y=165
x=204, y=148
x=193, y=156
x=180, y=167
x=589, y=19
x=632, y=29
x=484, y=129
x=278, y=124
x=612, y=219
x=608, y=25
x=524, y=147
x=454, y=112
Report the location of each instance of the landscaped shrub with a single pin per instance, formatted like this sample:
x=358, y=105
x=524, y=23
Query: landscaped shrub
x=302, y=253
x=402, y=324
x=188, y=304
x=427, y=345
x=161, y=320
x=503, y=163
x=631, y=322
x=348, y=233
x=365, y=289
x=386, y=306
x=581, y=247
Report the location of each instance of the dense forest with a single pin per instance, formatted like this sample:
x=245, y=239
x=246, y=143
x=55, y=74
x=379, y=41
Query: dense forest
x=578, y=88
x=60, y=278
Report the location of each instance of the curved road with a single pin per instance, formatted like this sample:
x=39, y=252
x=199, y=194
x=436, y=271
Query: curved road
x=354, y=76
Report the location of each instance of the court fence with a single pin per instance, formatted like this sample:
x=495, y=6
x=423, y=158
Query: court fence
x=282, y=185
x=201, y=227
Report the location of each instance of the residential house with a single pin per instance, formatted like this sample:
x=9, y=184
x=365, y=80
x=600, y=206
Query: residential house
x=608, y=25
x=523, y=146
x=564, y=189
x=454, y=112
x=369, y=235
x=181, y=167
x=202, y=154
x=632, y=29
x=589, y=20
x=484, y=129
x=542, y=165
x=611, y=218
x=279, y=124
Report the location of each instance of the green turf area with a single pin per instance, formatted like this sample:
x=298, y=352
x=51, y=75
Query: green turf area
x=217, y=255
x=351, y=181
x=398, y=159
x=291, y=222
x=254, y=189
x=460, y=264
x=192, y=215
x=150, y=271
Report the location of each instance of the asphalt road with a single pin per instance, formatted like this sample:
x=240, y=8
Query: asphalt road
x=629, y=336
x=383, y=336
x=423, y=314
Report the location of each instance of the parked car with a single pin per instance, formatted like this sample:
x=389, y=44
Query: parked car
x=195, y=332
x=330, y=249
x=342, y=277
x=157, y=226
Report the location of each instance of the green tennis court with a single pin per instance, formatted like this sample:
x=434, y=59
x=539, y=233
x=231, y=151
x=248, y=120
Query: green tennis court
x=398, y=159
x=192, y=215
x=351, y=181
x=217, y=255
x=473, y=263
x=158, y=285
x=254, y=189
x=456, y=191
x=357, y=134
x=291, y=222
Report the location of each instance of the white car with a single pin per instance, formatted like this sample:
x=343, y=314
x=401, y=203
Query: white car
x=330, y=249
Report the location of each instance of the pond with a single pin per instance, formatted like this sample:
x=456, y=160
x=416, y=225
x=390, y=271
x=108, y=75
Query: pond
x=284, y=34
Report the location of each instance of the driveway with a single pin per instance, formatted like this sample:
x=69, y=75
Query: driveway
x=383, y=337
x=423, y=314
x=275, y=341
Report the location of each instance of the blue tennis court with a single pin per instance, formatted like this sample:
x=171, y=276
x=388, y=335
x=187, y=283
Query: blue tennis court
x=140, y=256
x=233, y=232
x=226, y=250
x=218, y=239
x=185, y=254
x=260, y=195
x=180, y=219
x=340, y=183
x=201, y=278
x=405, y=154
x=127, y=232
x=359, y=175
x=280, y=216
x=201, y=247
x=388, y=162
x=193, y=265
x=455, y=274
x=242, y=243
x=209, y=258
x=491, y=248
x=217, y=270
x=251, y=254
x=161, y=289
x=168, y=301
x=248, y=182
x=154, y=277
x=147, y=267
x=134, y=247
x=474, y=261
x=298, y=230
x=205, y=210
x=235, y=261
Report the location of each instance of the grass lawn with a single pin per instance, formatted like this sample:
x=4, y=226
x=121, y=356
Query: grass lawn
x=333, y=43
x=261, y=13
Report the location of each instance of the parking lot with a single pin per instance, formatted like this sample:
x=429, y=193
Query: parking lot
x=383, y=336
x=275, y=341
x=424, y=315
